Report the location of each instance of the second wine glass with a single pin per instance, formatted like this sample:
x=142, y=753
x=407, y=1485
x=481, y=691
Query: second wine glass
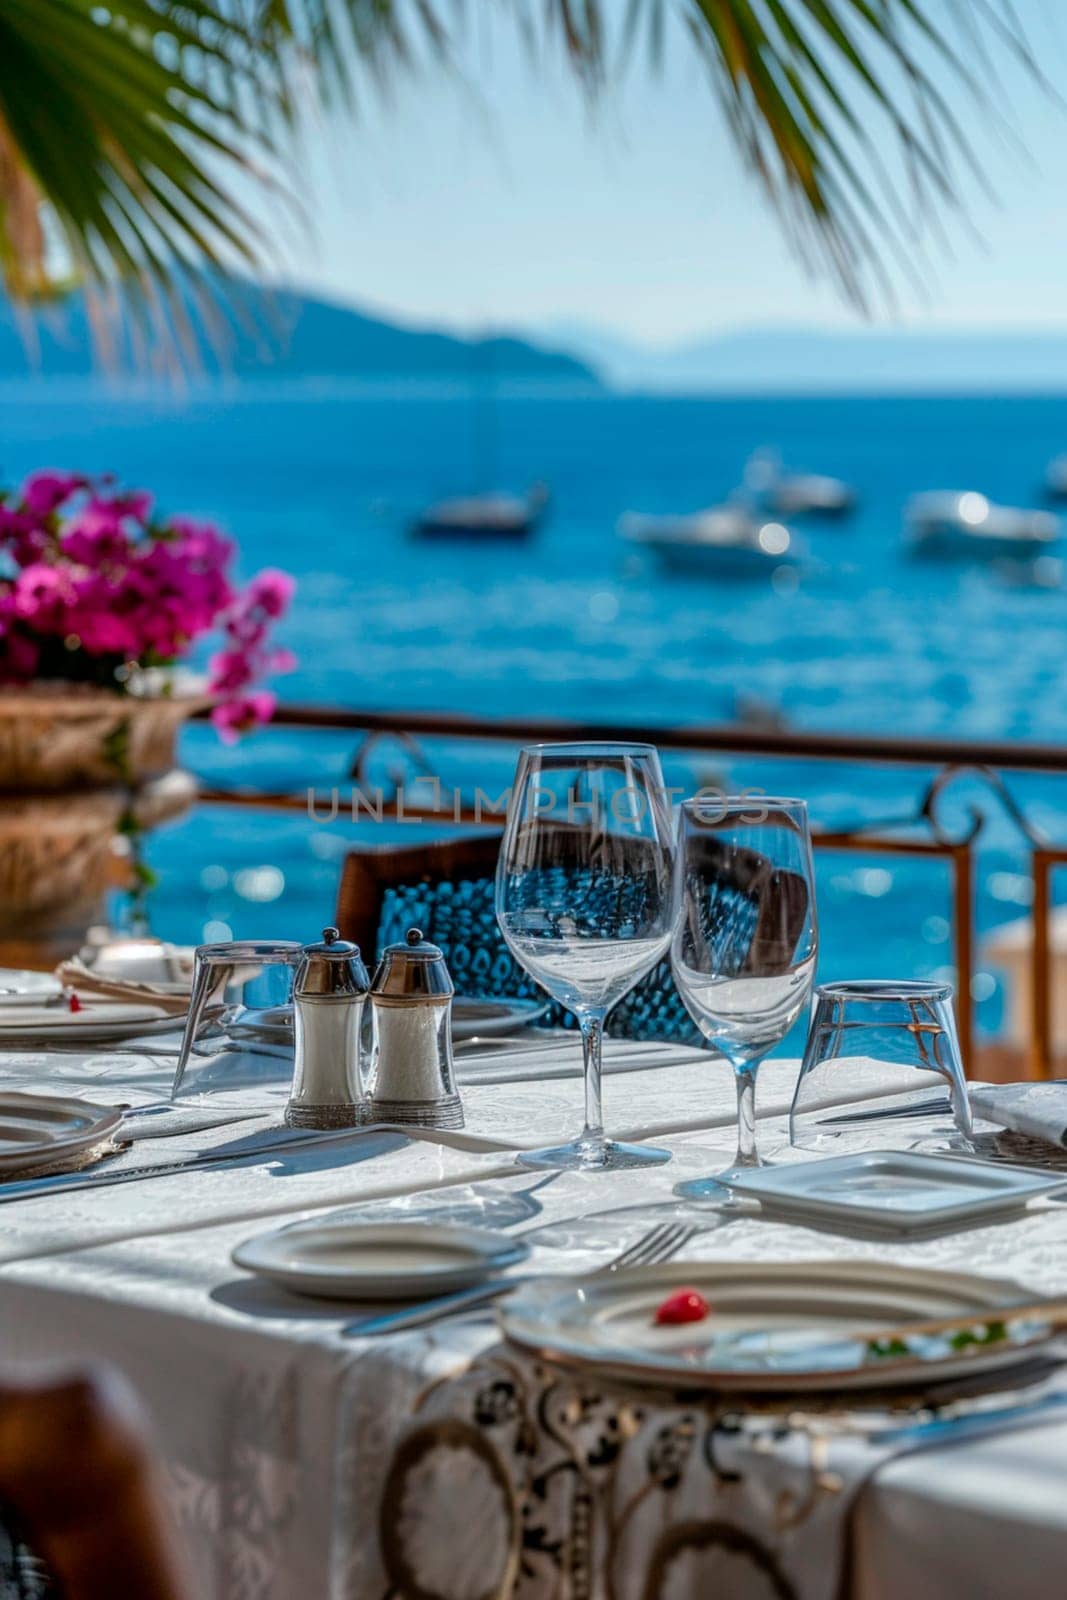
x=743, y=953
x=585, y=900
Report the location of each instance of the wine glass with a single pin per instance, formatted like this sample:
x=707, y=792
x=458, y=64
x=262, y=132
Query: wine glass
x=585, y=900
x=743, y=952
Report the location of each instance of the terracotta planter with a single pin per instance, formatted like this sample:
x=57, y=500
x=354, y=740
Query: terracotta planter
x=58, y=737
x=62, y=795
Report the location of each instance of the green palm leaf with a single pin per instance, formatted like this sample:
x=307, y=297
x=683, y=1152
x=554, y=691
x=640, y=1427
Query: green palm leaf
x=114, y=127
x=127, y=132
x=835, y=104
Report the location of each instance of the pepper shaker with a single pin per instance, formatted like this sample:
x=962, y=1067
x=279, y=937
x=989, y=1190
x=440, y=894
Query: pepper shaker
x=410, y=1076
x=329, y=993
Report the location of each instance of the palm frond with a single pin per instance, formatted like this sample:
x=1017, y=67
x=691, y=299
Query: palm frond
x=845, y=110
x=124, y=129
x=127, y=132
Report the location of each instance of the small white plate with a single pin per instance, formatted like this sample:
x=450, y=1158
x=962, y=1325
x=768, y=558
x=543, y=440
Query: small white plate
x=44, y=1130
x=95, y=1024
x=773, y=1327
x=496, y=1019
x=342, y=1260
x=894, y=1191
x=19, y=987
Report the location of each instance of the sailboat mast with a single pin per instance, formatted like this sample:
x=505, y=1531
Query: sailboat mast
x=486, y=421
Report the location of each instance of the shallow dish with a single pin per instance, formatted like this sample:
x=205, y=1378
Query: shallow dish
x=894, y=1191
x=21, y=987
x=493, y=1018
x=345, y=1260
x=95, y=1024
x=774, y=1327
x=44, y=1130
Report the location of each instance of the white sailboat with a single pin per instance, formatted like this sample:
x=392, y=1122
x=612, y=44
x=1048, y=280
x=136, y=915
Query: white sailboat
x=490, y=515
x=484, y=516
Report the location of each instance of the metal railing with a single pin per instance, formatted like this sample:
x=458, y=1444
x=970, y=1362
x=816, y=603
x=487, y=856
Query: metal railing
x=949, y=757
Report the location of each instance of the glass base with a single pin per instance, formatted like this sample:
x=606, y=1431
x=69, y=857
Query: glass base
x=717, y=1188
x=594, y=1155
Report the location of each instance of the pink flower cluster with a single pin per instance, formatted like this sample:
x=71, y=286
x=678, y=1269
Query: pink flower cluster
x=93, y=586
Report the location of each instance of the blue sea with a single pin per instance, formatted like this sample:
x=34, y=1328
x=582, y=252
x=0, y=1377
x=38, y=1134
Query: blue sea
x=323, y=479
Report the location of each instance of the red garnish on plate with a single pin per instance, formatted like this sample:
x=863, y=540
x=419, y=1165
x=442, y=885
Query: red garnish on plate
x=685, y=1305
x=73, y=1003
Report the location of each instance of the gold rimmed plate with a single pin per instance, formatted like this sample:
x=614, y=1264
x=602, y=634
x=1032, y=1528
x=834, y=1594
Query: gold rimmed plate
x=772, y=1327
x=493, y=1019
x=44, y=1132
x=92, y=1024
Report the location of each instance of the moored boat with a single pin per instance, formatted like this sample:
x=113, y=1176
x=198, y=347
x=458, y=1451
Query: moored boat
x=966, y=523
x=721, y=539
x=795, y=494
x=486, y=517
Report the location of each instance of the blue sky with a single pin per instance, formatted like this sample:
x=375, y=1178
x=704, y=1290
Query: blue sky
x=505, y=202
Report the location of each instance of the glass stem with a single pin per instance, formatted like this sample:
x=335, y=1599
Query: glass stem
x=747, y=1154
x=592, y=1026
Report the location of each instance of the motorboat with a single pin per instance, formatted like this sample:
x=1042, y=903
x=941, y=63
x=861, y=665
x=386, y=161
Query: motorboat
x=796, y=494
x=966, y=523
x=484, y=517
x=727, y=538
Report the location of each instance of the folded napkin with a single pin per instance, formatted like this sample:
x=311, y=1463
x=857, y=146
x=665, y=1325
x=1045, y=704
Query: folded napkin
x=74, y=974
x=1036, y=1109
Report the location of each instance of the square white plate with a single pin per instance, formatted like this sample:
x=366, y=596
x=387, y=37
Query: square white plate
x=894, y=1191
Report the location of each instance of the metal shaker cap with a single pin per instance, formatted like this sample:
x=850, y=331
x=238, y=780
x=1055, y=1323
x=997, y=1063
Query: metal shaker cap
x=332, y=967
x=412, y=971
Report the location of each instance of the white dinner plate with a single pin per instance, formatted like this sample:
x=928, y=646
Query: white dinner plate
x=95, y=1024
x=894, y=1191
x=44, y=1130
x=494, y=1018
x=772, y=1327
x=340, y=1260
x=20, y=987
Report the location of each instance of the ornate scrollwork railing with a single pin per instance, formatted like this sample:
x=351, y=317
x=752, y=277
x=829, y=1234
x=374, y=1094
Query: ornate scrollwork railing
x=417, y=792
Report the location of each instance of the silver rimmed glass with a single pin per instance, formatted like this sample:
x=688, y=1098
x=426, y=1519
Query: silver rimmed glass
x=861, y=1035
x=743, y=953
x=585, y=900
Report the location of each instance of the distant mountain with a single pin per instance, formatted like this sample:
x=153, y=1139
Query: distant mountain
x=282, y=334
x=796, y=360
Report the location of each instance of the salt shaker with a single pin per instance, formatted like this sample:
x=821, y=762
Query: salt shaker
x=410, y=1077
x=329, y=992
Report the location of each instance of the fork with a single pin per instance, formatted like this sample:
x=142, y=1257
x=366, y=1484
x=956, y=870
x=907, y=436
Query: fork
x=658, y=1244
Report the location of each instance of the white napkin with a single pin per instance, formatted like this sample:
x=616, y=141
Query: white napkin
x=74, y=974
x=1037, y=1109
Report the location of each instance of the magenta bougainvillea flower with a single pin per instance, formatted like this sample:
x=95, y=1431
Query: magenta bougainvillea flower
x=94, y=585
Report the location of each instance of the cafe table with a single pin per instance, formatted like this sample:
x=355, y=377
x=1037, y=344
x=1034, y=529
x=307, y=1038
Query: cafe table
x=279, y=1436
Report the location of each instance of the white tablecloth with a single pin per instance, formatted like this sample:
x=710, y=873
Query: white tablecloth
x=274, y=1428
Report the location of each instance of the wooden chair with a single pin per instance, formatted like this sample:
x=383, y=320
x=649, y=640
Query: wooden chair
x=370, y=879
x=446, y=888
x=80, y=1512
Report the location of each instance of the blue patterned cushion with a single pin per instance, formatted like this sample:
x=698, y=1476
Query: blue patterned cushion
x=460, y=916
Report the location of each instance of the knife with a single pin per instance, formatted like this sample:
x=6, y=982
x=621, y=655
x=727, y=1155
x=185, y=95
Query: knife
x=917, y=1108
x=279, y=1140
x=278, y=1143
